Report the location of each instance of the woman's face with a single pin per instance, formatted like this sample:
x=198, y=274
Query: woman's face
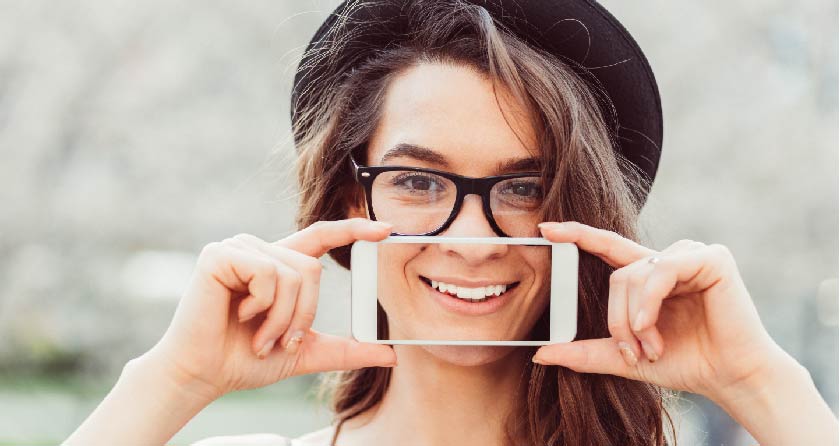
x=452, y=113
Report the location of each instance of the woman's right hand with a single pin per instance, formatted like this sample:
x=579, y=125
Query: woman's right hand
x=245, y=319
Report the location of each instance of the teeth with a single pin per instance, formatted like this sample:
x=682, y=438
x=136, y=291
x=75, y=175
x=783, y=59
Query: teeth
x=469, y=293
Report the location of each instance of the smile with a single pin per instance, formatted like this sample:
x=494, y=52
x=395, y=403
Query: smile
x=478, y=293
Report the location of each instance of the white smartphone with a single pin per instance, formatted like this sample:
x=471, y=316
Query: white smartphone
x=435, y=290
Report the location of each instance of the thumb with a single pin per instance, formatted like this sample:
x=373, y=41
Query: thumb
x=326, y=352
x=588, y=356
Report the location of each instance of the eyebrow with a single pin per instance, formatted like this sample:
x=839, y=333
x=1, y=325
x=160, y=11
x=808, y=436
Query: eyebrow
x=425, y=154
x=419, y=153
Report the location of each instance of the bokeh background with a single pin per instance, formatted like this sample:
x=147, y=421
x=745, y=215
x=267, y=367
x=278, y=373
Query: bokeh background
x=134, y=133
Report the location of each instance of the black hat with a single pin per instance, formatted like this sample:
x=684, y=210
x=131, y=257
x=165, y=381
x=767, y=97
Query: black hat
x=579, y=32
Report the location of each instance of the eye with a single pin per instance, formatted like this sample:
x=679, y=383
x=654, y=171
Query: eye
x=419, y=182
x=529, y=189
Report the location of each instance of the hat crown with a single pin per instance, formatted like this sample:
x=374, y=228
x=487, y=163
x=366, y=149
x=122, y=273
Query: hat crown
x=580, y=33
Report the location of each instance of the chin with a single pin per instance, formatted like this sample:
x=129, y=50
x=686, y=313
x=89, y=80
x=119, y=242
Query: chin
x=469, y=355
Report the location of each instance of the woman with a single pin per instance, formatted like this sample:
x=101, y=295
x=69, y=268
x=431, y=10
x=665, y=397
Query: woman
x=462, y=94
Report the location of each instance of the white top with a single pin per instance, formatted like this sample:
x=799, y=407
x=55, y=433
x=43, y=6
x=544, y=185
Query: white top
x=320, y=437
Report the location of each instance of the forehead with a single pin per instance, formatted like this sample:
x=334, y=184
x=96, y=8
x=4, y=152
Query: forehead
x=452, y=109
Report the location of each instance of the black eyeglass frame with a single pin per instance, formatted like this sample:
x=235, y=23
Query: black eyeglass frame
x=365, y=175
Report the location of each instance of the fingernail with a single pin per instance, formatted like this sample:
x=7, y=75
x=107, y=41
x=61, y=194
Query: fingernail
x=555, y=227
x=294, y=342
x=266, y=348
x=640, y=320
x=246, y=316
x=649, y=352
x=549, y=225
x=627, y=354
x=538, y=360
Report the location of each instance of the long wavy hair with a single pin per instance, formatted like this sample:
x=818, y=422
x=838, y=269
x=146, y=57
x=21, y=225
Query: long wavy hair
x=588, y=182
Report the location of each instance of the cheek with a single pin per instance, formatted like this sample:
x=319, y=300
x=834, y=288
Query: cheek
x=393, y=260
x=539, y=262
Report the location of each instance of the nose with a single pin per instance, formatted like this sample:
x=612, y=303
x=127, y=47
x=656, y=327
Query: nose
x=471, y=222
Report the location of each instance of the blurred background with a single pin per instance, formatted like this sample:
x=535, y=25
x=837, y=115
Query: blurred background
x=134, y=133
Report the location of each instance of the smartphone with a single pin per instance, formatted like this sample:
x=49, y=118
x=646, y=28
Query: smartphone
x=435, y=290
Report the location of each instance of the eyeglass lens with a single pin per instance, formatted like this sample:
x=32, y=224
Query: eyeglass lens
x=420, y=202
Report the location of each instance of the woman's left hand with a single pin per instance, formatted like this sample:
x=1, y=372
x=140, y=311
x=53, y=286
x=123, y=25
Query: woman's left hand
x=685, y=322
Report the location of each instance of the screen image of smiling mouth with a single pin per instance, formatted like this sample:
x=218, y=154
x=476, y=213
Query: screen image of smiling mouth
x=469, y=297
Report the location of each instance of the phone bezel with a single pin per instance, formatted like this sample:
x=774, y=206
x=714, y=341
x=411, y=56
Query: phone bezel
x=564, y=289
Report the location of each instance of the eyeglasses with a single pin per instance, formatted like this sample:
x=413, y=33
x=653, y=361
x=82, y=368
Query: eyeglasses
x=421, y=201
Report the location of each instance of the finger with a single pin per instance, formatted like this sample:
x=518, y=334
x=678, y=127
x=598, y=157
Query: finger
x=322, y=352
x=240, y=271
x=279, y=316
x=250, y=306
x=592, y=356
x=612, y=248
x=649, y=337
x=617, y=322
x=322, y=236
x=307, y=303
x=692, y=271
x=279, y=308
x=678, y=246
x=293, y=315
x=683, y=245
x=653, y=345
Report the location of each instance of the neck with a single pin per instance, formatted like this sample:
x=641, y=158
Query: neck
x=439, y=402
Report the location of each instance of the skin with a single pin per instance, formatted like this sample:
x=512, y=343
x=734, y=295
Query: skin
x=407, y=299
x=472, y=140
x=453, y=111
x=245, y=318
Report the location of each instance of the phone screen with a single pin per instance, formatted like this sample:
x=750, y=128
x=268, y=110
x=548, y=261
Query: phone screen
x=463, y=291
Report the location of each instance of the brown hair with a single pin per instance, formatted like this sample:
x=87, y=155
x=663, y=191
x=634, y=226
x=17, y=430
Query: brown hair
x=589, y=182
